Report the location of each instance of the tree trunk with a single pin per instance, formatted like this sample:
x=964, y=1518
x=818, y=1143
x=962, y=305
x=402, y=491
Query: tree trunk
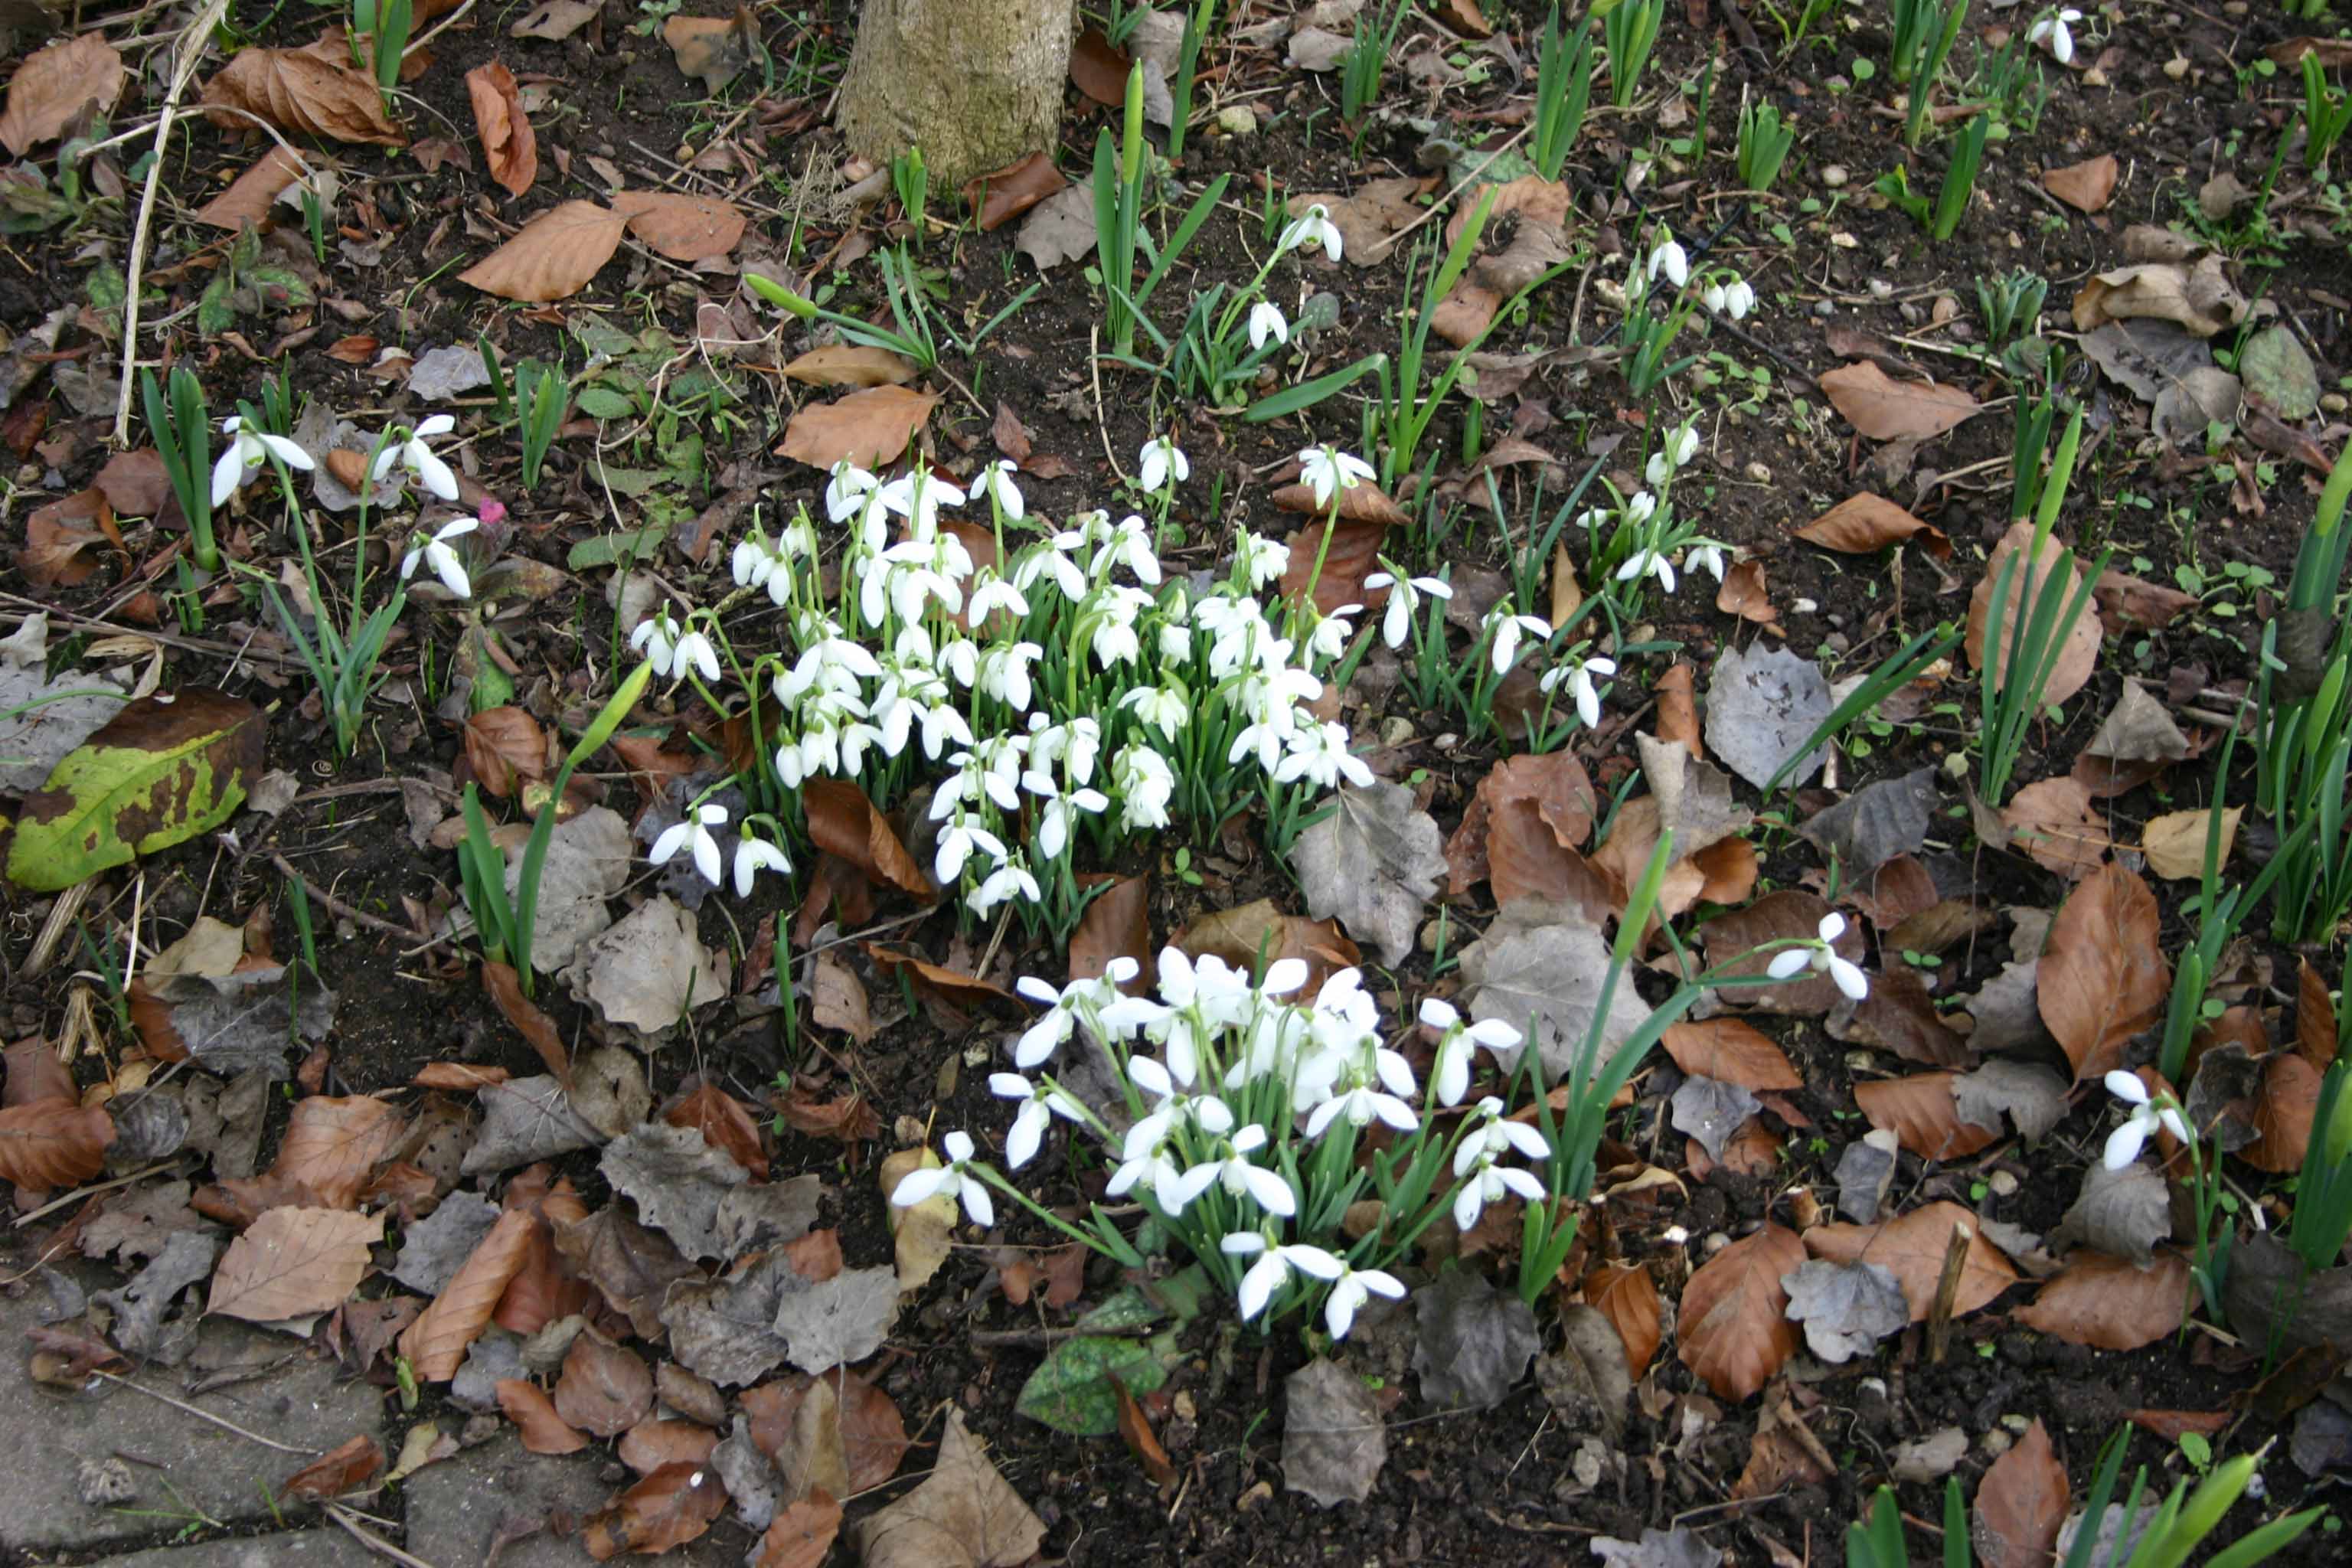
x=976, y=84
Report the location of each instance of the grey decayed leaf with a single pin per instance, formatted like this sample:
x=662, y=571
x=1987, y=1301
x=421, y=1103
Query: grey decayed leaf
x=148, y=1127
x=1333, y=1444
x=2006, y=1009
x=725, y=1328
x=1864, y=1170
x=1932, y=1457
x=1693, y=796
x=2123, y=1214
x=2146, y=355
x=233, y=1023
x=444, y=372
x=649, y=971
x=1760, y=707
x=1876, y=823
x=609, y=1092
x=1711, y=1110
x=139, y=1307
x=676, y=1179
x=2138, y=729
x=1474, y=1340
x=523, y=1119
x=1681, y=1547
x=1549, y=976
x=2034, y=1097
x=490, y=1360
x=588, y=861
x=434, y=1249
x=768, y=1214
x=39, y=723
x=138, y=1223
x=838, y=1321
x=2227, y=1081
x=1846, y=1308
x=750, y=1476
x=1059, y=228
x=964, y=1515
x=1587, y=1381
x=631, y=1266
x=1372, y=863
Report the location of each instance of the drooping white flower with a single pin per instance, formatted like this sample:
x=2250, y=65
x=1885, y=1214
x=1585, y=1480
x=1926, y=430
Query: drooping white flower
x=695, y=648
x=1314, y=227
x=1670, y=259
x=1734, y=298
x=1146, y=783
x=1648, y=564
x=1404, y=601
x=1349, y=1293
x=1036, y=1113
x=846, y=492
x=995, y=481
x=1167, y=709
x=918, y=495
x=1261, y=560
x=1004, y=672
x=754, y=561
x=1239, y=1177
x=1458, y=1042
x=754, y=855
x=1327, y=470
x=413, y=454
x=1266, y=321
x=1144, y=1161
x=656, y=637
x=1379, y=1094
x=2148, y=1113
x=1819, y=956
x=958, y=843
x=1319, y=753
x=695, y=830
x=2054, y=31
x=247, y=450
x=952, y=1179
x=1041, y=1039
x=1577, y=678
x=435, y=551
x=1507, y=628
x=1007, y=881
x=1706, y=558
x=1272, y=1270
x=1161, y=464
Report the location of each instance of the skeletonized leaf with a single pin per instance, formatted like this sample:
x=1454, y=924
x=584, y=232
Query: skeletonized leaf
x=291, y=1261
x=552, y=257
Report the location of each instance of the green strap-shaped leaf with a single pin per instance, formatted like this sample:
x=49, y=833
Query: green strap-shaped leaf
x=161, y=771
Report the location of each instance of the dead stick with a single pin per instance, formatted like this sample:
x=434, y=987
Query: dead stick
x=207, y=1416
x=356, y=916
x=1948, y=1294
x=370, y=1539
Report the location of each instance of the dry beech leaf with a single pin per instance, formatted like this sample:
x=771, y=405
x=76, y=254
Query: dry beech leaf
x=1116, y=923
x=1743, y=594
x=679, y=225
x=725, y=1123
x=291, y=1261
x=604, y=1389
x=51, y=87
x=843, y=822
x=1921, y=1114
x=1731, y=1052
x=542, y=1430
x=1338, y=570
x=1007, y=192
x=1912, y=1249
x=2080, y=654
x=2086, y=186
x=2107, y=1303
x=2314, y=1017
x=2054, y=821
x=662, y=1513
x=1678, y=709
x=2282, y=1112
x=435, y=1343
x=509, y=145
x=2175, y=842
x=248, y=199
x=801, y=1535
x=303, y=90
x=1864, y=525
x=1628, y=1297
x=851, y=364
x=344, y=1468
x=715, y=48
x=869, y=428
x=2020, y=1504
x=552, y=257
x=53, y=1143
x=652, y=1443
x=964, y=1515
x=1884, y=409
x=1734, y=1335
x=1555, y=785
x=2102, y=977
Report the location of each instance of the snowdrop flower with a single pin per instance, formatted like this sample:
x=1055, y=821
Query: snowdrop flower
x=1327, y=472
x=247, y=450
x=1404, y=601
x=995, y=482
x=1272, y=1270
x=992, y=593
x=695, y=829
x=670, y=648
x=1354, y=1286
x=1706, y=558
x=695, y=648
x=1161, y=465
x=1315, y=229
x=1676, y=450
x=1507, y=628
x=1734, y=298
x=1166, y=708
x=656, y=637
x=1143, y=1156
x=1319, y=753
x=1239, y=1177
x=754, y=855
x=1004, y=673
x=951, y=1180
x=1146, y=783
x=435, y=551
x=847, y=491
x=1821, y=956
x=2148, y=1114
x=1001, y=885
x=1577, y=678
x=1041, y=1039
x=1381, y=1094
x=1261, y=560
x=413, y=454
x=1485, y=1184
x=1265, y=321
x=2053, y=28
x=1054, y=820
x=1638, y=510
x=1458, y=1043
x=1648, y=564
x=917, y=496
x=1129, y=544
x=1671, y=260
x=957, y=845
x=755, y=561
x=1036, y=1113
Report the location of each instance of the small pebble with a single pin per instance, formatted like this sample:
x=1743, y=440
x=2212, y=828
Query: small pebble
x=1238, y=119
x=2003, y=1185
x=2095, y=76
x=1396, y=731
x=1760, y=475
x=2333, y=402
x=2176, y=67
x=1825, y=308
x=1996, y=1442
x=1880, y=289
x=1835, y=176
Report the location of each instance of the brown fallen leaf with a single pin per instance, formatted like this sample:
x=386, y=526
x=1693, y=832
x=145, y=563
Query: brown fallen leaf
x=848, y=1120
x=1338, y=569
x=2282, y=1112
x=1743, y=594
x=59, y=536
x=344, y=1468
x=2314, y=1017
x=1731, y=1052
x=843, y=822
x=652, y=1443
x=1239, y=935
x=506, y=749
x=1678, y=709
x=1733, y=1327
x=435, y=1343
x=2125, y=601
x=306, y=91
x=662, y=1513
x=680, y=225
x=2020, y=1504
x=1005, y=194
x=1884, y=409
x=510, y=147
x=2086, y=186
x=1116, y=924
x=2054, y=822
x=1135, y=1431
x=2102, y=977
x=552, y=257
x=604, y=1389
x=851, y=364
x=2078, y=656
x=248, y=197
x=2109, y=1303
x=1866, y=523
x=1921, y=1114
x=55, y=84
x=53, y=1143
x=1912, y=1249
x=1099, y=69
x=1626, y=1295
x=725, y=1123
x=715, y=48
x=292, y=1261
x=964, y=1512
x=462, y=1076
x=869, y=428
x=542, y=1429
x=1557, y=786
x=1370, y=220
x=873, y=1433
x=2175, y=842
x=801, y=1535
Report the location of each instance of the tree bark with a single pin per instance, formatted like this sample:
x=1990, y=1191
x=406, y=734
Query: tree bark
x=976, y=84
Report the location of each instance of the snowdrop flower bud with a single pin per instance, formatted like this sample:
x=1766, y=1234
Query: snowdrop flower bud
x=2054, y=31
x=247, y=450
x=1670, y=259
x=434, y=552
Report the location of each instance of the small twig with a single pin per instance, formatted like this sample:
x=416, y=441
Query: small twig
x=343, y=1516
x=1948, y=1294
x=192, y=49
x=1044, y=1339
x=342, y=910
x=448, y=22
x=1387, y=247
x=1094, y=363
x=202, y=1415
x=79, y=1192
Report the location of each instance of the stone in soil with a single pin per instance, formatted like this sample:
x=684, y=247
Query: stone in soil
x=456, y=1508
x=295, y=1549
